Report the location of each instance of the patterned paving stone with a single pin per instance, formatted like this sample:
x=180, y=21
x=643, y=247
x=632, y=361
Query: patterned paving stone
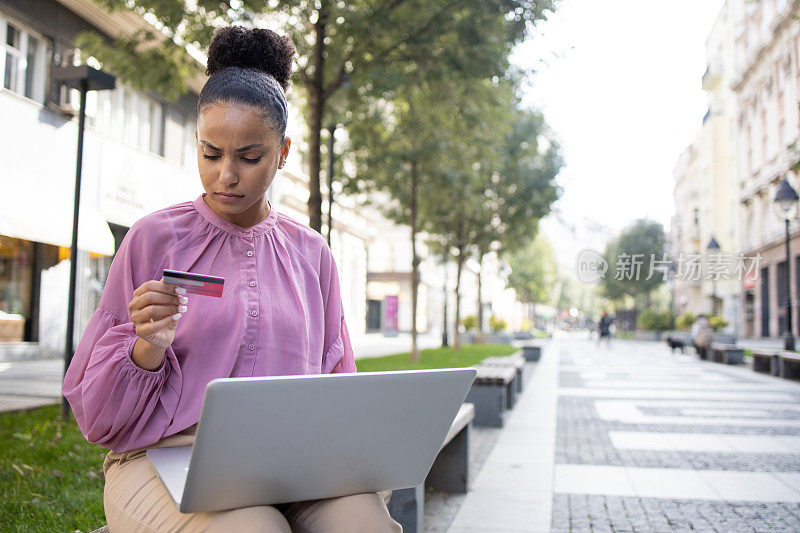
x=583, y=439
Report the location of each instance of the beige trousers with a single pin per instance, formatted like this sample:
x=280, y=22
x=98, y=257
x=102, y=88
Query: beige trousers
x=135, y=500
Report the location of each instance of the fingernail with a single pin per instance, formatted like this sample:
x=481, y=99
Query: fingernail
x=182, y=309
x=183, y=299
x=180, y=290
x=176, y=316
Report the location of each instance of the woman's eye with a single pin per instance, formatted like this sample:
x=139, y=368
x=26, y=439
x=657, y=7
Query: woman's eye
x=206, y=156
x=256, y=160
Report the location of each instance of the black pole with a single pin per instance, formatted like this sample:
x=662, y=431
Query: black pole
x=73, y=257
x=331, y=131
x=788, y=338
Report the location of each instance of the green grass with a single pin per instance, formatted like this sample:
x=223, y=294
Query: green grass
x=51, y=479
x=469, y=355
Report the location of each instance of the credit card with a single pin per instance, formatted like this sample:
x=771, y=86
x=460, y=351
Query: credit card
x=195, y=283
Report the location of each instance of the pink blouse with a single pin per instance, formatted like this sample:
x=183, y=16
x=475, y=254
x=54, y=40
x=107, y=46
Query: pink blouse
x=280, y=313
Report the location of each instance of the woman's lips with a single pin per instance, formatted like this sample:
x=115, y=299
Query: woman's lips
x=228, y=198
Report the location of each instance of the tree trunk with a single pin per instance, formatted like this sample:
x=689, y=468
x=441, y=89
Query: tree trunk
x=316, y=109
x=479, y=333
x=444, y=318
x=414, y=262
x=533, y=312
x=459, y=265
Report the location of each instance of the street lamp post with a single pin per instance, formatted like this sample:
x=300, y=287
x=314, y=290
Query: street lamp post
x=786, y=199
x=83, y=78
x=713, y=247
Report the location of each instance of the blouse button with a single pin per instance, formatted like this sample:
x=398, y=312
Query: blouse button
x=249, y=253
x=253, y=313
x=245, y=231
x=252, y=283
x=252, y=346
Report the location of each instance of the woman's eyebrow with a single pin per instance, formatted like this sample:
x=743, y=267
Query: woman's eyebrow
x=242, y=149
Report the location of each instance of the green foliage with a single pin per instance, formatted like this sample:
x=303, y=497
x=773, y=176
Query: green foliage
x=717, y=323
x=630, y=258
x=656, y=321
x=685, y=321
x=497, y=323
x=468, y=355
x=526, y=324
x=533, y=270
x=126, y=55
x=469, y=322
x=51, y=479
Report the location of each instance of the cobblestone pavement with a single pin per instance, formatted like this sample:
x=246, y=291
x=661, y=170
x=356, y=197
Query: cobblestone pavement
x=653, y=441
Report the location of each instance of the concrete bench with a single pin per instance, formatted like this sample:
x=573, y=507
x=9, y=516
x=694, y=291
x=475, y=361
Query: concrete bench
x=766, y=361
x=789, y=365
x=450, y=472
x=532, y=351
x=727, y=353
x=516, y=361
x=489, y=393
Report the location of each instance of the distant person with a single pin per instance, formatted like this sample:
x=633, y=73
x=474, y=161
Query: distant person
x=604, y=328
x=701, y=336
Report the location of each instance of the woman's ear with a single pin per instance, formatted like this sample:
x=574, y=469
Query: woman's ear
x=287, y=143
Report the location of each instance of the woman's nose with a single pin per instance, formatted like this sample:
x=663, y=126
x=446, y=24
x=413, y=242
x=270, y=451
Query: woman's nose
x=228, y=173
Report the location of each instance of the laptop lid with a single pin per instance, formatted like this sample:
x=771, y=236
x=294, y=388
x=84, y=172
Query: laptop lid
x=269, y=440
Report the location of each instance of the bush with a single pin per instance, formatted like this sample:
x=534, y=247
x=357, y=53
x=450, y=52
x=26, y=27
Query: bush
x=685, y=321
x=526, y=325
x=655, y=321
x=469, y=322
x=497, y=323
x=717, y=322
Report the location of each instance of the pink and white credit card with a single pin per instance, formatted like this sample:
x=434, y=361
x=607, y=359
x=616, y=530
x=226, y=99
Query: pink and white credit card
x=195, y=283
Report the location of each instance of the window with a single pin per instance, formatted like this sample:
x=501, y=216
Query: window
x=22, y=59
x=174, y=136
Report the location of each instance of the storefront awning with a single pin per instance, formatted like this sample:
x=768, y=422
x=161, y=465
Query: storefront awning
x=39, y=225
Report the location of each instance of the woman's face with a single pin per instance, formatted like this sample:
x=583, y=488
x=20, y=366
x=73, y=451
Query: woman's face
x=238, y=154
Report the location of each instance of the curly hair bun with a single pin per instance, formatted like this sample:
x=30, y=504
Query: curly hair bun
x=258, y=49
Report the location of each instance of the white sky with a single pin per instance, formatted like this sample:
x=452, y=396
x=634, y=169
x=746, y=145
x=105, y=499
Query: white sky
x=619, y=83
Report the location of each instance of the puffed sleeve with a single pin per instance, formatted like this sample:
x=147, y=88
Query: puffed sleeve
x=117, y=404
x=338, y=353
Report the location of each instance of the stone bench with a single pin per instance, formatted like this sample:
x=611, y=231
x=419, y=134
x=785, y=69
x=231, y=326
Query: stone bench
x=450, y=473
x=766, y=361
x=789, y=365
x=727, y=353
x=516, y=361
x=532, y=351
x=489, y=393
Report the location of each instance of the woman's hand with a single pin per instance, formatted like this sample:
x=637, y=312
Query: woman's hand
x=155, y=310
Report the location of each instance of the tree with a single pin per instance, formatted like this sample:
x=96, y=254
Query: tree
x=358, y=45
x=521, y=190
x=533, y=272
x=633, y=257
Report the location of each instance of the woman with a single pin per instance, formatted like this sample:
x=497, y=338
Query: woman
x=139, y=373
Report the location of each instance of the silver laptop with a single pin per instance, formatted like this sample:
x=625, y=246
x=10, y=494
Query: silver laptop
x=271, y=440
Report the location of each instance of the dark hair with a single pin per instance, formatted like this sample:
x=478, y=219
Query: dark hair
x=251, y=67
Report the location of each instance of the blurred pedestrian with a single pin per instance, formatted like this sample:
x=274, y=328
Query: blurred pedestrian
x=604, y=328
x=701, y=336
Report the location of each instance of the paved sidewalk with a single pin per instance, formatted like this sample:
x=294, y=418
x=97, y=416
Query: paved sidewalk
x=649, y=441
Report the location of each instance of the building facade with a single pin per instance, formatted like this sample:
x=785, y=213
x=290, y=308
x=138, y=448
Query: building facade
x=766, y=81
x=725, y=183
